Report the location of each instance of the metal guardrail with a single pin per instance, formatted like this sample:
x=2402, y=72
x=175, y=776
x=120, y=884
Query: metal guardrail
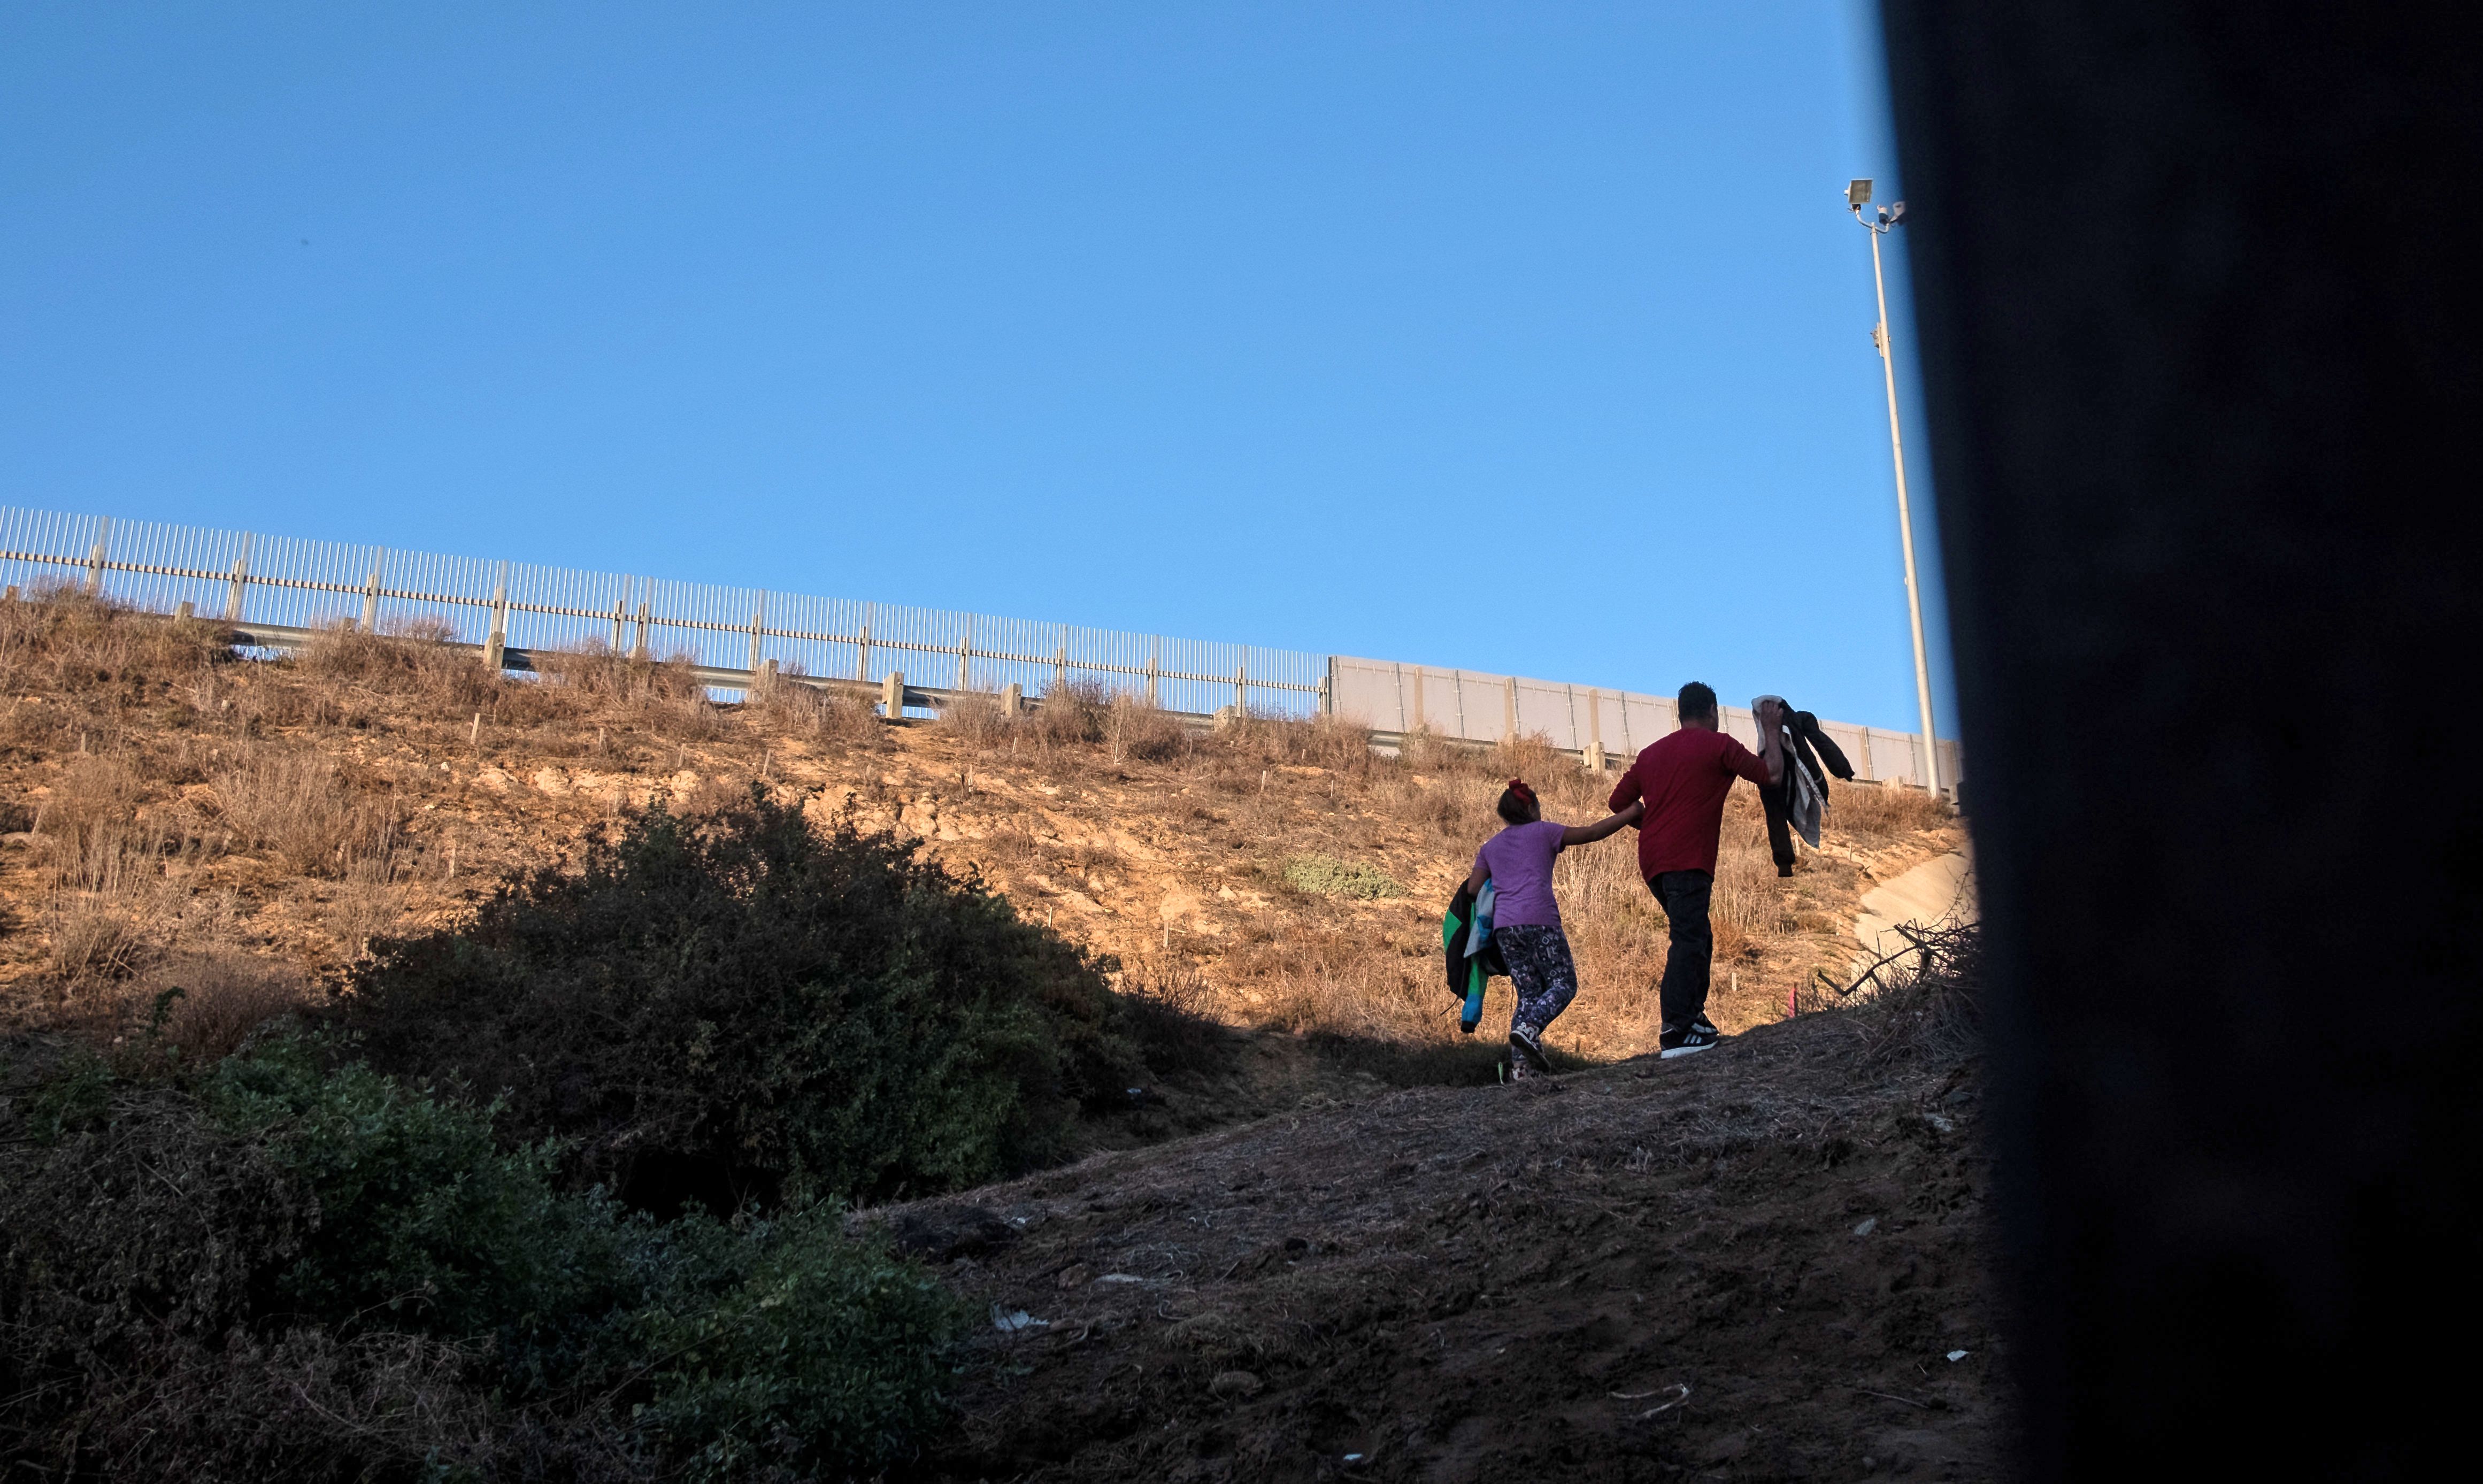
x=289, y=637
x=277, y=636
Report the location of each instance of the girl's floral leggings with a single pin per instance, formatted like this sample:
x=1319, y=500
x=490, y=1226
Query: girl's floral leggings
x=1539, y=966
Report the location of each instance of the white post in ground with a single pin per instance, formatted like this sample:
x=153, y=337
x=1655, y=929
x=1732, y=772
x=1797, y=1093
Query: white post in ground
x=893, y=696
x=234, y=595
x=98, y=557
x=495, y=640
x=1856, y=197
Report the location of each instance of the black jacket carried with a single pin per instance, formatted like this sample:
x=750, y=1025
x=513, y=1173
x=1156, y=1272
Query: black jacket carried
x=1805, y=727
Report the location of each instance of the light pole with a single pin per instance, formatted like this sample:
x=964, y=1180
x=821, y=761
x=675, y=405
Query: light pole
x=1857, y=196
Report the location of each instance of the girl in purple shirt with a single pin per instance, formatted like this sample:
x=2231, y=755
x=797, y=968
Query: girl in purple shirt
x=1526, y=920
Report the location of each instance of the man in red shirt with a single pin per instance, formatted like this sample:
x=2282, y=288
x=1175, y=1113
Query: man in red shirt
x=1683, y=779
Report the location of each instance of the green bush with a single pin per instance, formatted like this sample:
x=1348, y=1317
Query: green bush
x=279, y=1270
x=1328, y=876
x=425, y=1222
x=553, y=1195
x=788, y=1352
x=722, y=1012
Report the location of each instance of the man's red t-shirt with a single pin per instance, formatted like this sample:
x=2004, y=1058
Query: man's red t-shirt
x=1684, y=778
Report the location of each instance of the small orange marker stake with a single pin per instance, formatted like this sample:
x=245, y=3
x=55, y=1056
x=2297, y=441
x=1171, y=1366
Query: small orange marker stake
x=1793, y=1002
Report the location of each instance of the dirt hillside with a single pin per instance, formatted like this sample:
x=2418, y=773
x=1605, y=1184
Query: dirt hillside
x=1337, y=1247
x=175, y=816
x=1753, y=1265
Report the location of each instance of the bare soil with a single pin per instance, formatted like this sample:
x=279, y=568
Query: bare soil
x=1747, y=1264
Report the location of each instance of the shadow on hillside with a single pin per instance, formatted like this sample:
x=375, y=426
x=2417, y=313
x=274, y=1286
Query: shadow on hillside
x=1207, y=1074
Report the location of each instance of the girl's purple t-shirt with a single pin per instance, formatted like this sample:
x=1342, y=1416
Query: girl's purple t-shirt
x=1519, y=860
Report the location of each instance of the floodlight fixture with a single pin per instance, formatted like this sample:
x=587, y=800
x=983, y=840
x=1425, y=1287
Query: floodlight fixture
x=1859, y=194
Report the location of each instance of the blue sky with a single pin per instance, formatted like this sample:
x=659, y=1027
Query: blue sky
x=1524, y=338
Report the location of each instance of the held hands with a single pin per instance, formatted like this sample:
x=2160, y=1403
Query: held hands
x=1587, y=835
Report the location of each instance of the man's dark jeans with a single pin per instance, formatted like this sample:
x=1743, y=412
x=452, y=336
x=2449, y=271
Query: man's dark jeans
x=1683, y=896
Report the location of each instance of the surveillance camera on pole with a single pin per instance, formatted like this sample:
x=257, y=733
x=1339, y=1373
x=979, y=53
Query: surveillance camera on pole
x=1857, y=196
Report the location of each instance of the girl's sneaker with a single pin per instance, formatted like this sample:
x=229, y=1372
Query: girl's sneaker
x=1683, y=1040
x=1526, y=1056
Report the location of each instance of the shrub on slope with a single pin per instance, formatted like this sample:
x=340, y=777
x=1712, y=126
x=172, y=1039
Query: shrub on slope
x=280, y=1269
x=710, y=1011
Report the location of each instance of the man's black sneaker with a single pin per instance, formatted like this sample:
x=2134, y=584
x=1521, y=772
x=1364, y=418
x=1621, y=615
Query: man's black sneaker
x=1526, y=1055
x=1682, y=1040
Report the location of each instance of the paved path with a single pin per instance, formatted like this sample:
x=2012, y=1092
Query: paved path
x=1939, y=891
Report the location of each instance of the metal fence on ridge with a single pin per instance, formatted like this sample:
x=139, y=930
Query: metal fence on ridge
x=244, y=577
x=261, y=582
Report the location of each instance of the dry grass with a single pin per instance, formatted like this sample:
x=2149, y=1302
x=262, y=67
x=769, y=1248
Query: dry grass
x=288, y=812
x=1070, y=715
x=664, y=695
x=94, y=795
x=1137, y=727
x=58, y=640
x=223, y=995
x=373, y=901
x=110, y=913
x=295, y=806
x=1878, y=812
x=1291, y=741
x=975, y=719
x=837, y=717
x=404, y=665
